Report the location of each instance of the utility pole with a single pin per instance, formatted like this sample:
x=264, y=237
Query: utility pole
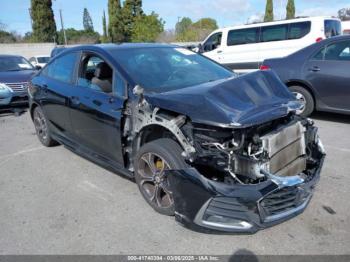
x=31, y=19
x=64, y=32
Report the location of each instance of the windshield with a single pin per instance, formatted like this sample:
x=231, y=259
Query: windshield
x=162, y=69
x=332, y=28
x=43, y=59
x=14, y=63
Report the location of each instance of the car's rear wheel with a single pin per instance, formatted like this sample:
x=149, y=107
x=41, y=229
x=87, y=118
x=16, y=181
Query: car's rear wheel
x=151, y=162
x=305, y=98
x=42, y=128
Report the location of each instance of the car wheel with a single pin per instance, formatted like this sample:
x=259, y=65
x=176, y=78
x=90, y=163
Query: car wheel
x=42, y=128
x=305, y=98
x=150, y=163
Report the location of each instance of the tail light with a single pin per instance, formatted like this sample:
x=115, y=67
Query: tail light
x=264, y=67
x=319, y=39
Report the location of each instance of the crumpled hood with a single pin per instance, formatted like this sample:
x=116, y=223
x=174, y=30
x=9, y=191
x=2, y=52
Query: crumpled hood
x=244, y=101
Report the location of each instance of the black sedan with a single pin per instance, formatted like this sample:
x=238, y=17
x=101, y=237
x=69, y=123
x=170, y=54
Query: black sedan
x=222, y=153
x=319, y=75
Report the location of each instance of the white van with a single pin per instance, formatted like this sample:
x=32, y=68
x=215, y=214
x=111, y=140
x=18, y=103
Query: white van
x=346, y=27
x=243, y=48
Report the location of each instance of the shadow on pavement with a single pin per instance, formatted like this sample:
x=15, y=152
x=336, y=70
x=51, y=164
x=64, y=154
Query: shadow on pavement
x=333, y=117
x=12, y=111
x=243, y=255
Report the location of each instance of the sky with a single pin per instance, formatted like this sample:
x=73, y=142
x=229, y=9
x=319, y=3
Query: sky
x=15, y=15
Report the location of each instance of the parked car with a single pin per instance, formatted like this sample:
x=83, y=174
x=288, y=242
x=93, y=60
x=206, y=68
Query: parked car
x=221, y=153
x=5, y=95
x=15, y=73
x=243, y=48
x=318, y=75
x=346, y=27
x=39, y=61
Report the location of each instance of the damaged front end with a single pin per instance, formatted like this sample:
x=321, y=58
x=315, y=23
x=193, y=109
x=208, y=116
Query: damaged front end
x=252, y=162
x=243, y=180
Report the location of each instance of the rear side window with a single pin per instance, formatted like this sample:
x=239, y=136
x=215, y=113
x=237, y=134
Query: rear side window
x=243, y=36
x=334, y=52
x=274, y=33
x=332, y=28
x=338, y=51
x=299, y=30
x=62, y=68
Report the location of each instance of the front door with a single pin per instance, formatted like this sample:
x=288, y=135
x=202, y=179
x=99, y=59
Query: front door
x=212, y=47
x=96, y=108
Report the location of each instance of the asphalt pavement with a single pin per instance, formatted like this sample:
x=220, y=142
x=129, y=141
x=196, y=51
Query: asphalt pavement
x=55, y=202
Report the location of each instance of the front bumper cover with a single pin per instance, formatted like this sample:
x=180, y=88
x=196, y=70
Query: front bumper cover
x=207, y=206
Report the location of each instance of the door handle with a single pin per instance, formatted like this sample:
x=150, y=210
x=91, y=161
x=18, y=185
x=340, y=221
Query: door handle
x=219, y=51
x=315, y=69
x=75, y=100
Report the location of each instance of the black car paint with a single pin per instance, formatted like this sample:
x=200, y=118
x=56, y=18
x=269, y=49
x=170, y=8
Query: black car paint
x=244, y=101
x=89, y=123
x=192, y=191
x=328, y=81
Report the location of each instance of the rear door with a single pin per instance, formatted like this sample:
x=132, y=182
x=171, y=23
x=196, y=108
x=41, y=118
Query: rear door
x=96, y=110
x=56, y=85
x=328, y=72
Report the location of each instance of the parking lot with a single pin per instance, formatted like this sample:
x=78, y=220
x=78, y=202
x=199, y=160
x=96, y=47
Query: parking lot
x=55, y=202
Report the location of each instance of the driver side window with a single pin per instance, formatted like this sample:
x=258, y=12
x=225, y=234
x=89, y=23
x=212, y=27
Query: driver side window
x=213, y=42
x=96, y=74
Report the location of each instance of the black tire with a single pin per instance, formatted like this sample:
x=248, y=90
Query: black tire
x=153, y=185
x=305, y=96
x=42, y=129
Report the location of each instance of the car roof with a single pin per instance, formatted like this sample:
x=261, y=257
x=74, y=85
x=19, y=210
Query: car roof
x=112, y=47
x=277, y=22
x=311, y=48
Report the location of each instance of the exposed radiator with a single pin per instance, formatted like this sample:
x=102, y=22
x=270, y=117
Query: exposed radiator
x=286, y=150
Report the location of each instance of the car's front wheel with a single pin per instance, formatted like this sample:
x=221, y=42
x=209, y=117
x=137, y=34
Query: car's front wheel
x=305, y=98
x=42, y=128
x=151, y=162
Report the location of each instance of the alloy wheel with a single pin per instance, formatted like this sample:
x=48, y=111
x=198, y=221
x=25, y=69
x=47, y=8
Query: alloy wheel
x=40, y=125
x=302, y=100
x=153, y=183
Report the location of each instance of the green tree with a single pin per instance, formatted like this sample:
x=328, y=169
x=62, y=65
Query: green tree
x=206, y=23
x=115, y=23
x=147, y=28
x=131, y=11
x=290, y=9
x=87, y=21
x=203, y=27
x=44, y=26
x=104, y=38
x=268, y=11
x=182, y=28
x=79, y=36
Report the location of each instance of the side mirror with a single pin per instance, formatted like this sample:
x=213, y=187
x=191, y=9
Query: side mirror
x=138, y=90
x=200, y=48
x=37, y=67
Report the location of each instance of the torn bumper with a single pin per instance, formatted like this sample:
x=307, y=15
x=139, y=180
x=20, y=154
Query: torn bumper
x=207, y=206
